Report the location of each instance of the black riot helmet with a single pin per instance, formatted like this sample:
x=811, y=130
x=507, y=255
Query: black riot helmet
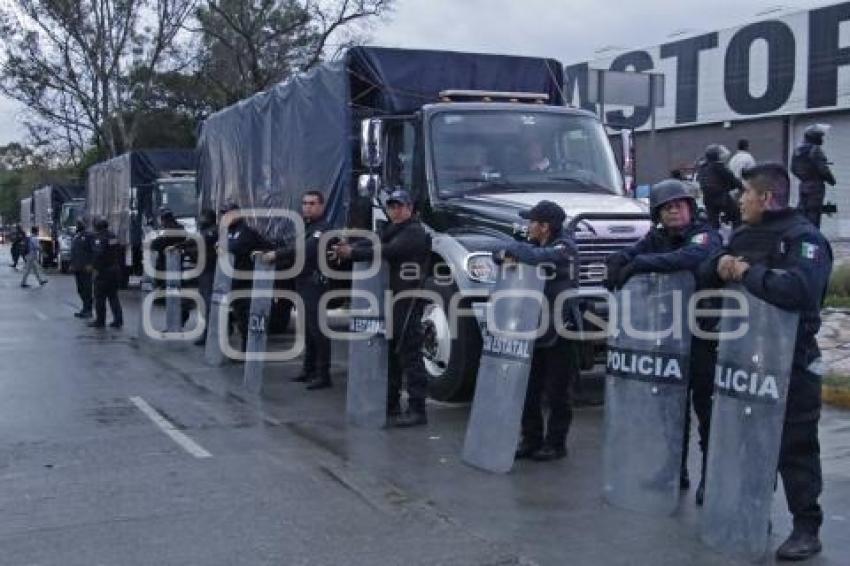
x=101, y=224
x=815, y=133
x=716, y=152
x=666, y=191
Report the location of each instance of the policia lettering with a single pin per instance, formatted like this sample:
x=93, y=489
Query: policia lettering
x=745, y=384
x=825, y=55
x=645, y=366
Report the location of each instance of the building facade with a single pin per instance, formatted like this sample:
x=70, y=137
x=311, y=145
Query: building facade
x=764, y=81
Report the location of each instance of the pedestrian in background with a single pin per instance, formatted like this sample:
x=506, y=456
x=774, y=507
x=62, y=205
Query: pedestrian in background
x=716, y=182
x=18, y=245
x=810, y=166
x=81, y=267
x=32, y=257
x=742, y=159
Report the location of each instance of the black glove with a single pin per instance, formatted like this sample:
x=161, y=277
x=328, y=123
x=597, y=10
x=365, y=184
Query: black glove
x=614, y=264
x=499, y=257
x=624, y=275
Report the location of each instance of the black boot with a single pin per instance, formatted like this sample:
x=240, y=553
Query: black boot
x=304, y=377
x=550, y=452
x=411, y=418
x=527, y=448
x=320, y=383
x=700, y=496
x=684, y=479
x=800, y=545
x=97, y=324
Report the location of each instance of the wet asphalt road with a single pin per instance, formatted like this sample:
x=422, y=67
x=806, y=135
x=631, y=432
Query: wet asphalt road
x=118, y=452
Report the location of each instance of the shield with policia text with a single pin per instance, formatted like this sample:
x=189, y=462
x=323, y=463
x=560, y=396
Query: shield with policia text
x=646, y=388
x=258, y=324
x=174, y=268
x=368, y=356
x=506, y=355
x=751, y=380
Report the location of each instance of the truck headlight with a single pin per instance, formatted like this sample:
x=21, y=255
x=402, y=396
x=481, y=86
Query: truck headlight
x=480, y=267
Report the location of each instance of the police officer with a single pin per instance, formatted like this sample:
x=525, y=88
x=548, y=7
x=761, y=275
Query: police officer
x=782, y=258
x=554, y=365
x=810, y=166
x=243, y=241
x=406, y=247
x=677, y=242
x=81, y=266
x=176, y=238
x=106, y=262
x=716, y=181
x=310, y=284
x=208, y=230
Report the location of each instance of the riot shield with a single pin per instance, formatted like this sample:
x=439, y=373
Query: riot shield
x=646, y=386
x=366, y=399
x=751, y=381
x=494, y=422
x=219, y=311
x=173, y=273
x=258, y=325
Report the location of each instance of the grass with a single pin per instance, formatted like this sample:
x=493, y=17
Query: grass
x=837, y=381
x=838, y=293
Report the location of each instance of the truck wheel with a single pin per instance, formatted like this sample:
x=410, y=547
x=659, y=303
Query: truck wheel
x=451, y=361
x=279, y=316
x=63, y=266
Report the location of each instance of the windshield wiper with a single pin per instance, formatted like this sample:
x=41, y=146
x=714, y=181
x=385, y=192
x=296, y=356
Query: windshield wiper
x=500, y=184
x=583, y=182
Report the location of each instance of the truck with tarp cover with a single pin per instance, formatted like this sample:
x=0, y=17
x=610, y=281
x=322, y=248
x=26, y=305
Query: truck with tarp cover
x=459, y=131
x=130, y=190
x=26, y=215
x=52, y=203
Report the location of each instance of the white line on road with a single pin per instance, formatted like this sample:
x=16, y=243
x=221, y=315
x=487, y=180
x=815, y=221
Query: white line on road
x=165, y=426
x=40, y=315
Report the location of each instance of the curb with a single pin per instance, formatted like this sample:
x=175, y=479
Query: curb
x=836, y=396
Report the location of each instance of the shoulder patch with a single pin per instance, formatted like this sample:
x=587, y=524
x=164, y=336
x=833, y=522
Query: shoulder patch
x=810, y=251
x=700, y=239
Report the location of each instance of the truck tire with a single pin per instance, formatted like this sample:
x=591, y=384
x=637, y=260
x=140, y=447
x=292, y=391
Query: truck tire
x=451, y=361
x=63, y=266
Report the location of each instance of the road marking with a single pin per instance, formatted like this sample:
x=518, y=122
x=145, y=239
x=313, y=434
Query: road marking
x=165, y=426
x=40, y=315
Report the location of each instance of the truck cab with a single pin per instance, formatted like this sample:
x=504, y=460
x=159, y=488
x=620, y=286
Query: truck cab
x=71, y=211
x=472, y=163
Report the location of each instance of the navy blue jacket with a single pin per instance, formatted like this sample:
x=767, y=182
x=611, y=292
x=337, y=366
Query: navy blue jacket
x=790, y=266
x=310, y=275
x=561, y=254
x=663, y=252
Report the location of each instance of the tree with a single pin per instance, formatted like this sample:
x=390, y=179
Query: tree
x=86, y=68
x=248, y=46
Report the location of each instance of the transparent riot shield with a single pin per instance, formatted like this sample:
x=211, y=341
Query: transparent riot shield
x=646, y=387
x=173, y=274
x=506, y=355
x=751, y=381
x=219, y=310
x=366, y=401
x=258, y=325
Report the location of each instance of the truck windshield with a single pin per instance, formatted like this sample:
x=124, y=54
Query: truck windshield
x=70, y=213
x=493, y=151
x=181, y=197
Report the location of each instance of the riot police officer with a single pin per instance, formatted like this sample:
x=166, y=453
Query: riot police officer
x=310, y=284
x=243, y=241
x=716, y=181
x=677, y=242
x=106, y=263
x=406, y=247
x=782, y=258
x=81, y=267
x=810, y=166
x=176, y=238
x=554, y=365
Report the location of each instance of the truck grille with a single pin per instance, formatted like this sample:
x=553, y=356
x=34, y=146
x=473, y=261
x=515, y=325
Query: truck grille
x=592, y=254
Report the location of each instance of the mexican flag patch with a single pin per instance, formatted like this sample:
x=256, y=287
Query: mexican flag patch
x=810, y=251
x=701, y=239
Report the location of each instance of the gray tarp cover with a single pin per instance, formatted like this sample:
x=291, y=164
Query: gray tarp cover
x=264, y=151
x=108, y=183
x=26, y=215
x=48, y=202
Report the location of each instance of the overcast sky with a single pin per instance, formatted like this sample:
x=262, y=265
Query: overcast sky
x=569, y=30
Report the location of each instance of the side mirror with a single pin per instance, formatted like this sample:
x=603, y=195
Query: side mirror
x=367, y=185
x=371, y=134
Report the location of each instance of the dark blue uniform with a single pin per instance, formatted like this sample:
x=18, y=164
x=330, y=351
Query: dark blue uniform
x=81, y=267
x=242, y=241
x=403, y=244
x=809, y=164
x=662, y=251
x=311, y=284
x=554, y=366
x=107, y=264
x=790, y=266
